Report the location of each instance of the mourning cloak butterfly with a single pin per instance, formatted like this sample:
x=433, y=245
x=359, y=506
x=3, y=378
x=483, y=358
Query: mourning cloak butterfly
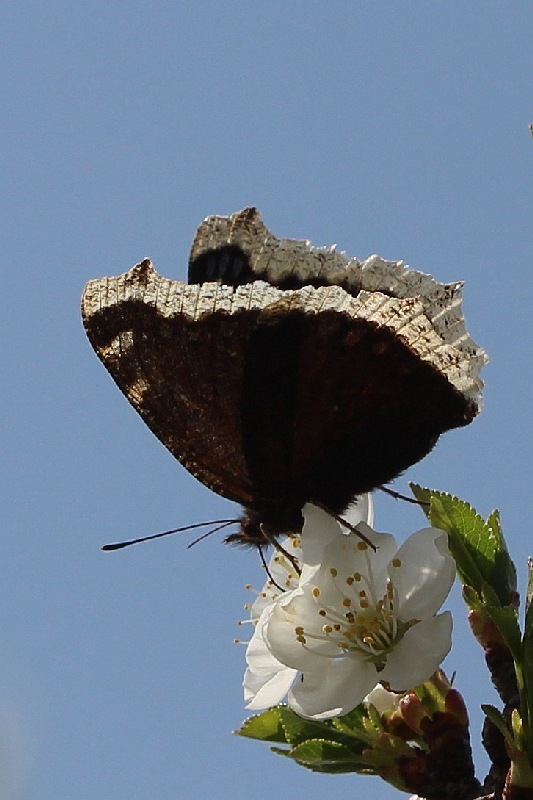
x=319, y=388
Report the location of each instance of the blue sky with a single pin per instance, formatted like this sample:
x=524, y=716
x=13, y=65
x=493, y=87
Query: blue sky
x=396, y=128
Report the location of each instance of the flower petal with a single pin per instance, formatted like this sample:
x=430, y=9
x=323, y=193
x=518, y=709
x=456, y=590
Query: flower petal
x=348, y=555
x=258, y=656
x=266, y=680
x=384, y=701
x=321, y=529
x=281, y=574
x=418, y=654
x=360, y=510
x=334, y=690
x=426, y=574
x=297, y=610
x=264, y=691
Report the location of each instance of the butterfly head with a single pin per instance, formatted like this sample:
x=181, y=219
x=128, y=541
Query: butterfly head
x=261, y=528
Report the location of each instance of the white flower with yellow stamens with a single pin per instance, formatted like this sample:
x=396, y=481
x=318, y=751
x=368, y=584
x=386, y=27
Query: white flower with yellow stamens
x=357, y=617
x=267, y=680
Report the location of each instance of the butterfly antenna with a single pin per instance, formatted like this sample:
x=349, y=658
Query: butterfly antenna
x=399, y=496
x=224, y=524
x=221, y=522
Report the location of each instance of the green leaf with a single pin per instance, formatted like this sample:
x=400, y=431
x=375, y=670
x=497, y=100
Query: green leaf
x=298, y=730
x=356, y=723
x=326, y=756
x=493, y=522
x=266, y=726
x=477, y=546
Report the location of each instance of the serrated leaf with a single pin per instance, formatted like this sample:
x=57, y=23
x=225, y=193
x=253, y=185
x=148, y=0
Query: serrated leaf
x=326, y=756
x=266, y=727
x=355, y=723
x=493, y=522
x=298, y=730
x=477, y=546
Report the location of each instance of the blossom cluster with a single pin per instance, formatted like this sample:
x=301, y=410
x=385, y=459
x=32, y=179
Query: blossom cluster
x=342, y=613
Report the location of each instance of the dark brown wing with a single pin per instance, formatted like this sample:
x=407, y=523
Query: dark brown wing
x=239, y=249
x=336, y=402
x=272, y=397
x=171, y=362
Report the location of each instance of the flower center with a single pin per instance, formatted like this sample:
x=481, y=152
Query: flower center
x=359, y=621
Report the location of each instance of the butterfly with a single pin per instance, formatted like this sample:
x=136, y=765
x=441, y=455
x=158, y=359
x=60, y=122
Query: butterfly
x=282, y=374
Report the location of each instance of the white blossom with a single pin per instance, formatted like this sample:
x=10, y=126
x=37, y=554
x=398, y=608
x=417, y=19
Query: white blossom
x=355, y=617
x=267, y=680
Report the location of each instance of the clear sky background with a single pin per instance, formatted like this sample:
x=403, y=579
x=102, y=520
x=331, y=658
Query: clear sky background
x=396, y=128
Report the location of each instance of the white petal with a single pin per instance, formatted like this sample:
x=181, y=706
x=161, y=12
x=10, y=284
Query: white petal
x=281, y=620
x=281, y=572
x=347, y=556
x=386, y=548
x=279, y=566
x=382, y=699
x=360, y=510
x=334, y=690
x=416, y=657
x=261, y=602
x=426, y=574
x=266, y=680
x=264, y=691
x=258, y=657
x=319, y=530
